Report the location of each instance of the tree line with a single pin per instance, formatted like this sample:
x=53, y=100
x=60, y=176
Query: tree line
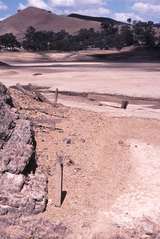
x=136, y=33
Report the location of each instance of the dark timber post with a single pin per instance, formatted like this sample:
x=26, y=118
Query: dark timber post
x=124, y=104
x=59, y=182
x=56, y=97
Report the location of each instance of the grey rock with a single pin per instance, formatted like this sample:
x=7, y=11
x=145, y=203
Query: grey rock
x=23, y=187
x=6, y=123
x=37, y=229
x=67, y=141
x=12, y=183
x=4, y=95
x=19, y=149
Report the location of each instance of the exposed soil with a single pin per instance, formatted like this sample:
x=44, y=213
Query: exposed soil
x=111, y=169
x=136, y=80
x=111, y=160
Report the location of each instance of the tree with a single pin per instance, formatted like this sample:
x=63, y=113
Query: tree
x=9, y=41
x=112, y=35
x=127, y=36
x=109, y=33
x=109, y=28
x=144, y=34
x=129, y=20
x=28, y=42
x=87, y=38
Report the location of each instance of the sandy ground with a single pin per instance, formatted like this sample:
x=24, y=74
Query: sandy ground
x=78, y=72
x=27, y=57
x=116, y=78
x=111, y=163
x=111, y=168
x=131, y=79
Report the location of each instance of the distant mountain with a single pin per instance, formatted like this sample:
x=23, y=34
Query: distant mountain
x=96, y=19
x=42, y=19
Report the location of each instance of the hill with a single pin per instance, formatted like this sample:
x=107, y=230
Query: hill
x=96, y=19
x=42, y=19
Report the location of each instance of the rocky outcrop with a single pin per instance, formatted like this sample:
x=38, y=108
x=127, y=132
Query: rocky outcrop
x=18, y=150
x=7, y=116
x=25, y=228
x=23, y=188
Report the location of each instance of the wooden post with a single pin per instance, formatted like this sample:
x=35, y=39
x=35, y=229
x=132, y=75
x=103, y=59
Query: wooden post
x=59, y=182
x=124, y=104
x=56, y=97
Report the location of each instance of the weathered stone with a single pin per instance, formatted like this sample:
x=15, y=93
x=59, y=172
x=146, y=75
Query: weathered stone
x=23, y=190
x=4, y=95
x=67, y=141
x=19, y=149
x=6, y=123
x=11, y=182
x=25, y=229
x=36, y=189
x=3, y=210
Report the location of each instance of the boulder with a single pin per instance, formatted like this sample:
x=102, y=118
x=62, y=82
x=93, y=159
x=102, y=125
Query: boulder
x=11, y=183
x=4, y=95
x=37, y=228
x=23, y=187
x=19, y=149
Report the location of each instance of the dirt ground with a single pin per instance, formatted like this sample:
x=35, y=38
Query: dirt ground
x=28, y=57
x=111, y=156
x=123, y=79
x=131, y=79
x=111, y=168
x=81, y=74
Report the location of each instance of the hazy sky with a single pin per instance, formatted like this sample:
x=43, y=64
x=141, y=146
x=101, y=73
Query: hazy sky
x=118, y=9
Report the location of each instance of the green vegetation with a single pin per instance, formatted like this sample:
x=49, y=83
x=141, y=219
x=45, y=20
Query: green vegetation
x=9, y=41
x=112, y=35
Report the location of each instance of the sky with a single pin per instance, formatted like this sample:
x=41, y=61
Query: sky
x=118, y=9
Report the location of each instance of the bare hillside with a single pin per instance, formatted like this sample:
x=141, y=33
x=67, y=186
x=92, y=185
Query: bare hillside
x=43, y=20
